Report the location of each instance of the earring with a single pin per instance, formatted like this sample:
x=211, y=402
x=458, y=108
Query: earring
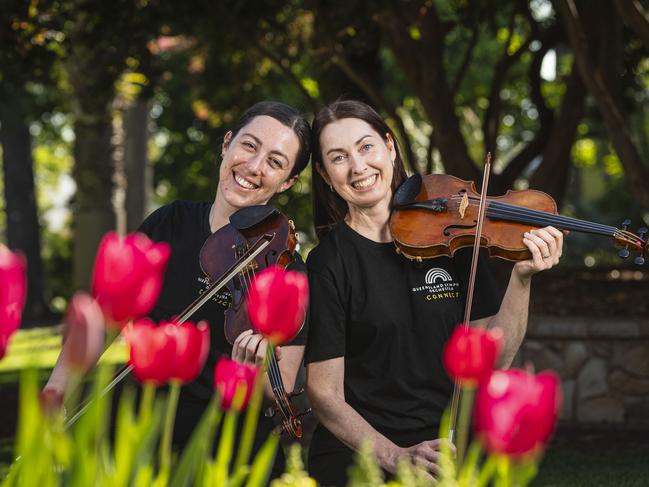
x=331, y=188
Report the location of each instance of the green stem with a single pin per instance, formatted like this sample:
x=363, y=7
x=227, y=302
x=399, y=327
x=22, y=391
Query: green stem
x=464, y=422
x=146, y=401
x=250, y=422
x=487, y=471
x=224, y=452
x=168, y=427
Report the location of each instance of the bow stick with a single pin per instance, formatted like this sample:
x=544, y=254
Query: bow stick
x=462, y=435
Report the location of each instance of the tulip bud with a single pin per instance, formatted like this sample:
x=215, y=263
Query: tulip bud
x=13, y=292
x=127, y=276
x=470, y=354
x=516, y=412
x=152, y=351
x=84, y=334
x=231, y=377
x=277, y=302
x=192, y=346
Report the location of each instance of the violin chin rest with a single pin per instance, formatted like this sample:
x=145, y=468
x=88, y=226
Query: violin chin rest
x=250, y=216
x=407, y=191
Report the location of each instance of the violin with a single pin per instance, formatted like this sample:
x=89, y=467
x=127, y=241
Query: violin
x=227, y=245
x=437, y=214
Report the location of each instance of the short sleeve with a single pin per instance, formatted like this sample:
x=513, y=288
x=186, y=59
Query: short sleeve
x=151, y=224
x=327, y=323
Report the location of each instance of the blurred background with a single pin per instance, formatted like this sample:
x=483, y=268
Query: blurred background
x=111, y=109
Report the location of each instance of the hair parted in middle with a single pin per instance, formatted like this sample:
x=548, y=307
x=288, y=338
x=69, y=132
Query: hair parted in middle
x=329, y=208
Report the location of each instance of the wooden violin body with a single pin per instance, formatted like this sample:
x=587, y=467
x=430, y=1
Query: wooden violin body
x=231, y=241
x=437, y=214
x=226, y=245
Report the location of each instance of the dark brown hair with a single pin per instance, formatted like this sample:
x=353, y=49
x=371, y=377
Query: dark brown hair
x=329, y=208
x=288, y=116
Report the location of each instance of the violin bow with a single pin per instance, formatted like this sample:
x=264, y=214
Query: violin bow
x=455, y=401
x=247, y=257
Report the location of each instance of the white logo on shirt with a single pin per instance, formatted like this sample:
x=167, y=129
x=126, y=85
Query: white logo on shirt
x=438, y=285
x=437, y=274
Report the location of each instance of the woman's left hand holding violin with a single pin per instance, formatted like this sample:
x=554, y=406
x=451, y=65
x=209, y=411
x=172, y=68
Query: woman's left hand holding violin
x=250, y=348
x=546, y=246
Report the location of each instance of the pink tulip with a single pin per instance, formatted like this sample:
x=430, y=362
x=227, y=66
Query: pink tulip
x=229, y=376
x=13, y=292
x=192, y=346
x=152, y=351
x=470, y=354
x=277, y=302
x=128, y=276
x=84, y=333
x=516, y=412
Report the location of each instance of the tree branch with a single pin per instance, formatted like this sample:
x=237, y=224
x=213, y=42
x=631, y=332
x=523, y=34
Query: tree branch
x=468, y=54
x=313, y=103
x=635, y=18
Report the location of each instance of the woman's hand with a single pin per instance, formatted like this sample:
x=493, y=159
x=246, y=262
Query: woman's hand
x=425, y=454
x=546, y=246
x=250, y=348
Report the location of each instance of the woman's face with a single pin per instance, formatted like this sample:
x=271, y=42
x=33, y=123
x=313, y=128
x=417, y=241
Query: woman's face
x=357, y=162
x=257, y=162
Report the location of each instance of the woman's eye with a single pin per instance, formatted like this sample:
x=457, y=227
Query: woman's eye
x=248, y=145
x=366, y=147
x=337, y=158
x=275, y=163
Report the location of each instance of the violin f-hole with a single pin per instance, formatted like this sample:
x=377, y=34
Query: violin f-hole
x=447, y=230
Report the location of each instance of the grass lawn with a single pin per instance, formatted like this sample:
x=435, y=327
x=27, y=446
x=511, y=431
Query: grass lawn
x=596, y=458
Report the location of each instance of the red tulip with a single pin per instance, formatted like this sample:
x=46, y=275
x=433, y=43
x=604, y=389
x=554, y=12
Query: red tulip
x=229, y=376
x=128, y=276
x=192, y=345
x=153, y=351
x=516, y=412
x=470, y=354
x=84, y=333
x=277, y=302
x=13, y=292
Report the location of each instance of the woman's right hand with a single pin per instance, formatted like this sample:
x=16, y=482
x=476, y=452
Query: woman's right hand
x=425, y=454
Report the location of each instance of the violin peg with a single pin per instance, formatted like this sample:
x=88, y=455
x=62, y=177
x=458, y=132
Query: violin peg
x=639, y=260
x=624, y=253
x=625, y=224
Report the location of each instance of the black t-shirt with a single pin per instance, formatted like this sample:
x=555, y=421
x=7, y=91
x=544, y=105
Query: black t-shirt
x=185, y=226
x=389, y=317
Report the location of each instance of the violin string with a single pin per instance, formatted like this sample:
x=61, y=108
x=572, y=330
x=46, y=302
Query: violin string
x=526, y=215
x=534, y=216
x=273, y=371
x=247, y=281
x=545, y=217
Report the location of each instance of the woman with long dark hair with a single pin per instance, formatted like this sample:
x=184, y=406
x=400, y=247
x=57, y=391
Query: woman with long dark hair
x=261, y=156
x=378, y=321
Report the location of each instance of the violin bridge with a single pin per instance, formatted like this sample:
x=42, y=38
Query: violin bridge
x=464, y=204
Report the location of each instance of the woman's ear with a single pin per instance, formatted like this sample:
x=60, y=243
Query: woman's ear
x=227, y=138
x=389, y=142
x=287, y=184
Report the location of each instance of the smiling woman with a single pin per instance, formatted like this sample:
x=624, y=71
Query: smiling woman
x=262, y=155
x=378, y=321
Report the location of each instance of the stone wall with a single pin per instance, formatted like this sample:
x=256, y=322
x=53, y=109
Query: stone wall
x=603, y=364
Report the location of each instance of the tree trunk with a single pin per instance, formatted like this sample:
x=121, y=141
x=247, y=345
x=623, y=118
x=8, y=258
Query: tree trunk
x=138, y=170
x=93, y=173
x=552, y=175
x=23, y=229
